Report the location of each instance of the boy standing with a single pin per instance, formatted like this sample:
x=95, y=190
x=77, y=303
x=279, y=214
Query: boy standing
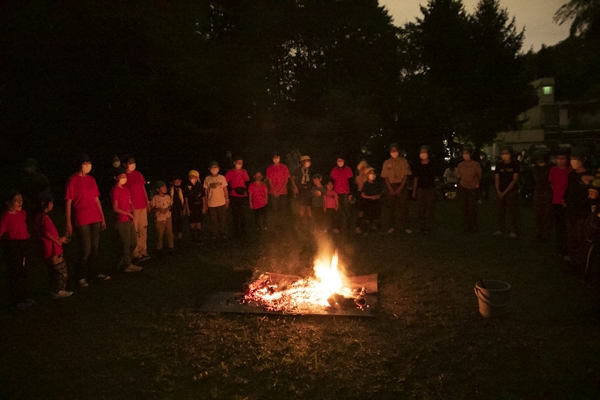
x=162, y=204
x=278, y=176
x=331, y=208
x=258, y=195
x=318, y=204
x=371, y=198
x=507, y=185
x=395, y=171
x=237, y=179
x=341, y=175
x=177, y=211
x=215, y=187
x=195, y=204
x=469, y=174
x=141, y=206
x=559, y=179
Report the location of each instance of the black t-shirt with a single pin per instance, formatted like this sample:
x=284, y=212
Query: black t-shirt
x=576, y=195
x=371, y=188
x=425, y=173
x=194, y=193
x=541, y=173
x=506, y=172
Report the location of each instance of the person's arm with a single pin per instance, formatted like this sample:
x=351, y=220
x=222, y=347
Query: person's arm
x=117, y=210
x=56, y=239
x=478, y=172
x=97, y=200
x=226, y=196
x=250, y=197
x=294, y=185
x=389, y=186
x=512, y=184
x=69, y=227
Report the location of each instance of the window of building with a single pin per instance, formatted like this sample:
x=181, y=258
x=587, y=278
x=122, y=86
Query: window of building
x=547, y=89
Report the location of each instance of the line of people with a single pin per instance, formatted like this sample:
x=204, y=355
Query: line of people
x=563, y=193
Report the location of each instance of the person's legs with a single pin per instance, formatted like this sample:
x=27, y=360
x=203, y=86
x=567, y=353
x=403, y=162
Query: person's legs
x=131, y=239
x=142, y=230
x=343, y=211
x=161, y=227
x=422, y=209
x=430, y=207
x=560, y=227
x=124, y=230
x=14, y=257
x=237, y=213
x=403, y=209
x=57, y=268
x=513, y=208
x=86, y=248
x=501, y=214
x=222, y=219
x=94, y=257
x=214, y=221
x=471, y=217
x=169, y=231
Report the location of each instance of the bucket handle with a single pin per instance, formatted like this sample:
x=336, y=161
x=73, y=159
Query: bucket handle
x=484, y=299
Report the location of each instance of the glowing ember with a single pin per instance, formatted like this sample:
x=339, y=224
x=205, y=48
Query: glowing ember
x=326, y=289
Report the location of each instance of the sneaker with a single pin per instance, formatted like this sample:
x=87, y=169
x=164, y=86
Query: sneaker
x=102, y=277
x=497, y=233
x=144, y=257
x=513, y=235
x=83, y=283
x=357, y=230
x=62, y=294
x=133, y=268
x=407, y=230
x=391, y=230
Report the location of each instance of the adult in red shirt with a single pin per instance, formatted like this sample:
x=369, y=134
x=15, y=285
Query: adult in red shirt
x=559, y=179
x=237, y=179
x=136, y=184
x=278, y=176
x=342, y=176
x=83, y=206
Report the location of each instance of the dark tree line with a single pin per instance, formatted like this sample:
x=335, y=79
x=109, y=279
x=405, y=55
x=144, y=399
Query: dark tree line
x=179, y=83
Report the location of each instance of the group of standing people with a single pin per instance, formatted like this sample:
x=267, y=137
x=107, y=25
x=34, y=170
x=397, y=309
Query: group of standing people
x=564, y=193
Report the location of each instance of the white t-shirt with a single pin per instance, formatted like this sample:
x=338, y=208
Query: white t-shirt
x=159, y=201
x=451, y=176
x=214, y=189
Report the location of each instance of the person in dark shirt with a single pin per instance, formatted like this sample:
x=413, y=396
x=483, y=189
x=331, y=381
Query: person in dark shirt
x=195, y=204
x=507, y=185
x=32, y=184
x=371, y=201
x=178, y=211
x=578, y=207
x=424, y=188
x=542, y=197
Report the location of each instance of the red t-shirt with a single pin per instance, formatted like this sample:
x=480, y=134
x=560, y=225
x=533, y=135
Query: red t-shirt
x=46, y=226
x=330, y=198
x=137, y=188
x=122, y=196
x=14, y=226
x=340, y=178
x=237, y=178
x=259, y=194
x=278, y=176
x=559, y=178
x=83, y=191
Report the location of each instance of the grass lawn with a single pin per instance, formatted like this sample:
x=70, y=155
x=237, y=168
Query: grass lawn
x=141, y=336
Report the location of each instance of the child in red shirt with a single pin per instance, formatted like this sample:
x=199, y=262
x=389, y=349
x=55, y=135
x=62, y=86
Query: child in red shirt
x=122, y=206
x=52, y=250
x=258, y=197
x=14, y=235
x=331, y=208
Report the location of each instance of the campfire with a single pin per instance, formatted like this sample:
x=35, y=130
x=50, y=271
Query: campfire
x=329, y=289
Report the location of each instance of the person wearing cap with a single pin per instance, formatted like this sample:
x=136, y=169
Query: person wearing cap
x=301, y=182
x=559, y=179
x=217, y=200
x=424, y=188
x=161, y=205
x=542, y=195
x=177, y=211
x=195, y=204
x=578, y=207
x=52, y=246
x=136, y=184
x=342, y=177
x=469, y=176
x=122, y=206
x=82, y=205
x=371, y=199
x=278, y=176
x=395, y=171
x=507, y=189
x=237, y=180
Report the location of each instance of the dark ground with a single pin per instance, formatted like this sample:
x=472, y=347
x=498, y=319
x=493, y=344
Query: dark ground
x=141, y=336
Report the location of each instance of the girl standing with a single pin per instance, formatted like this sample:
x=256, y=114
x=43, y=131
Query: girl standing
x=14, y=235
